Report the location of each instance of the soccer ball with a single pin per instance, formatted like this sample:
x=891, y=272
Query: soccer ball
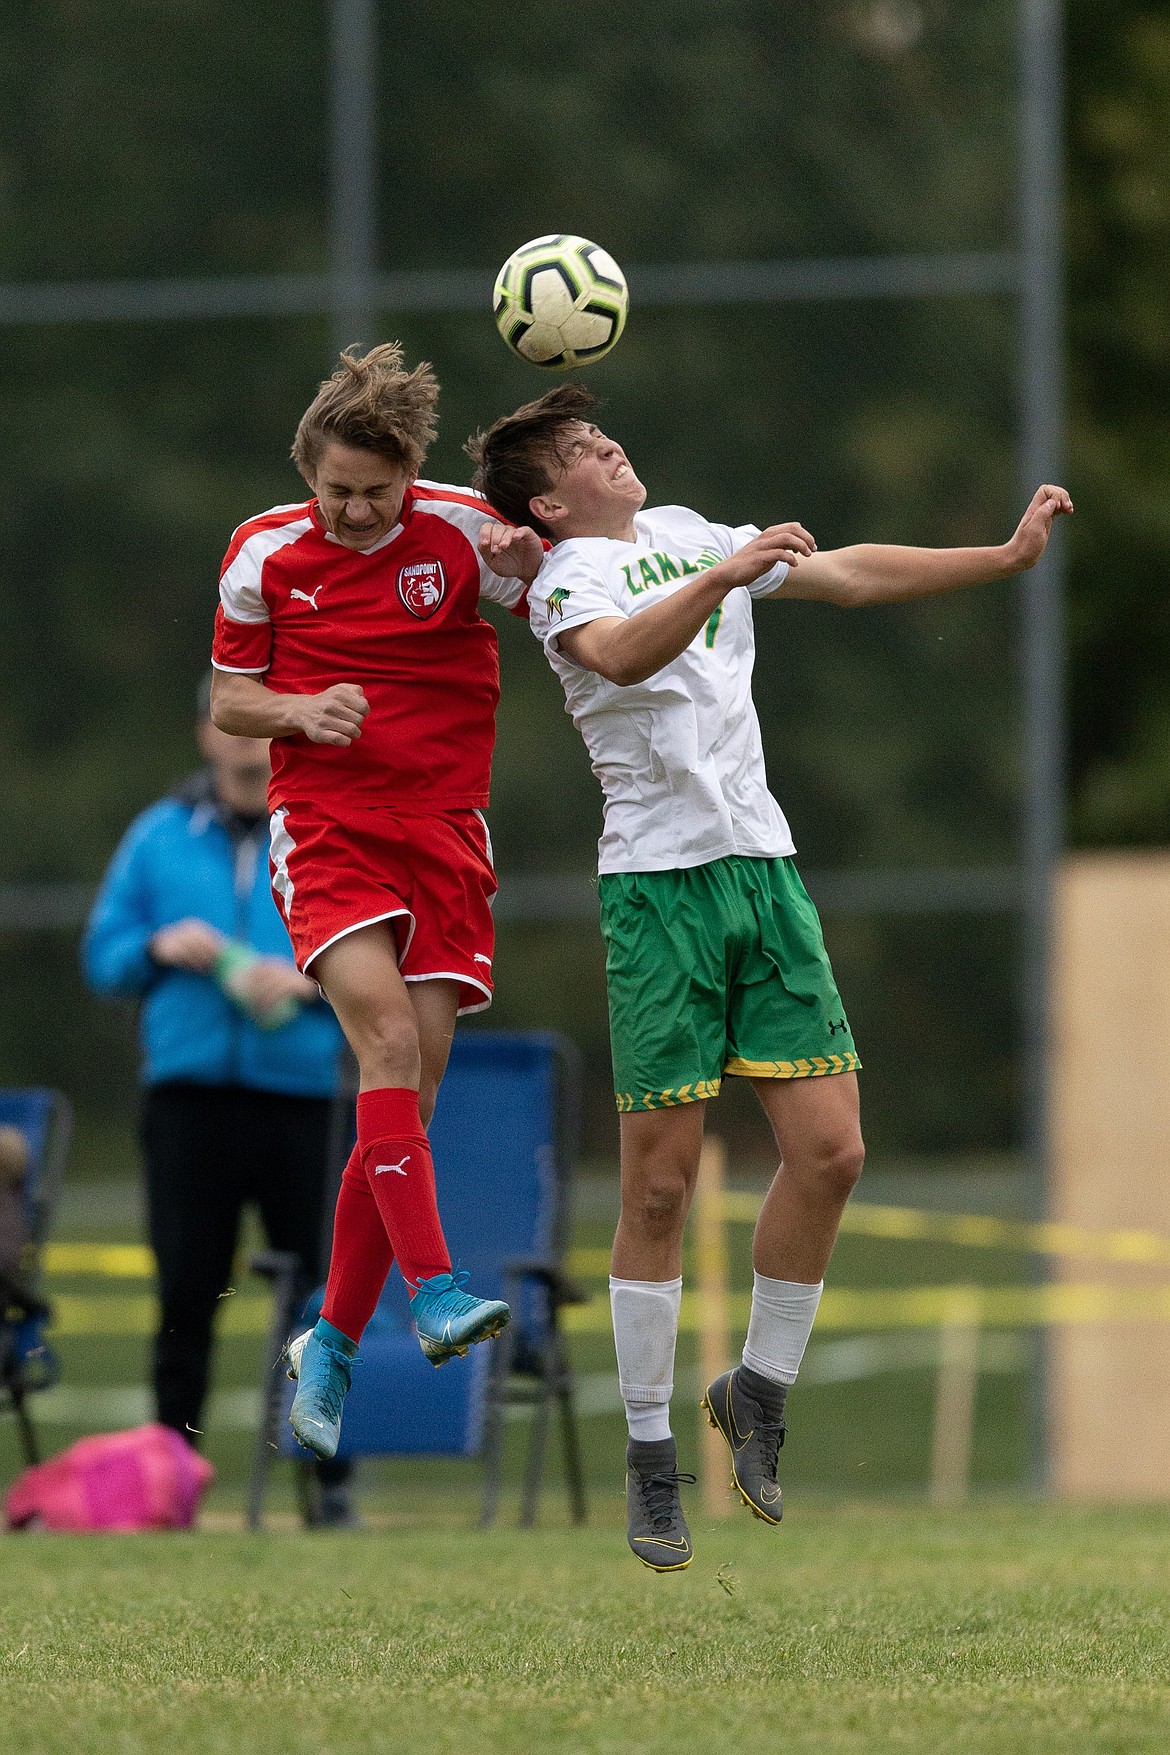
x=560, y=302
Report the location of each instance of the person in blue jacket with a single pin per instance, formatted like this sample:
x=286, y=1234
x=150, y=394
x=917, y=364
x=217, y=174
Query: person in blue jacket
x=239, y=1056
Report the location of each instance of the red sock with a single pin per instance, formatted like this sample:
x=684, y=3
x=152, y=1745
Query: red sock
x=361, y=1255
x=397, y=1160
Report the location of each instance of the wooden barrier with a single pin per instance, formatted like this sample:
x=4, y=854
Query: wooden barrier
x=1109, y=1382
x=714, y=1328
x=954, y=1397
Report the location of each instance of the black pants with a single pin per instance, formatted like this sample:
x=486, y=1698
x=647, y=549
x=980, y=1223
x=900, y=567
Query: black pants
x=209, y=1150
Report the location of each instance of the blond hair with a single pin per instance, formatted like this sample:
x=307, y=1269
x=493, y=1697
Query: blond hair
x=374, y=404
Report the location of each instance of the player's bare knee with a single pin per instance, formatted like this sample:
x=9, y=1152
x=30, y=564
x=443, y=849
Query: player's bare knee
x=838, y=1166
x=657, y=1202
x=387, y=1047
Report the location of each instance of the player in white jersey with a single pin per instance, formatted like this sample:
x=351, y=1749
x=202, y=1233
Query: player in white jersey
x=715, y=961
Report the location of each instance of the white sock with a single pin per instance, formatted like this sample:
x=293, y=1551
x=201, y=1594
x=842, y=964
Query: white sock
x=783, y=1312
x=645, y=1328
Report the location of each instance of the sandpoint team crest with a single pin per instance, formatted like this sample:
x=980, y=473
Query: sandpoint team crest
x=422, y=587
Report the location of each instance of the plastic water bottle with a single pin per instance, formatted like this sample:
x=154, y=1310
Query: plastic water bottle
x=231, y=969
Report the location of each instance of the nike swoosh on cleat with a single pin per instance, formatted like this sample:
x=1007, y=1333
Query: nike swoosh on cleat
x=740, y=1438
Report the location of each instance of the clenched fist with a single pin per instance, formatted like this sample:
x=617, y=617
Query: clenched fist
x=334, y=716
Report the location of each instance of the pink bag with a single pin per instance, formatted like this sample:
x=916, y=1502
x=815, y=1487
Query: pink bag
x=145, y=1479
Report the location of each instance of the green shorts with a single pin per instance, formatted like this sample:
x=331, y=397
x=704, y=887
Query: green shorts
x=717, y=969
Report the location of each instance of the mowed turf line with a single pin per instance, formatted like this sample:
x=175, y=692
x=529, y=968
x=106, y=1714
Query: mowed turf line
x=1005, y=1627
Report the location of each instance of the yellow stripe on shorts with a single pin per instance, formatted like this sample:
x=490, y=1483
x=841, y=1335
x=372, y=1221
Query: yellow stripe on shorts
x=627, y=1102
x=815, y=1068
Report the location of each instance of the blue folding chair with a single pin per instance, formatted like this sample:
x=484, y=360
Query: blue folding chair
x=27, y=1364
x=504, y=1143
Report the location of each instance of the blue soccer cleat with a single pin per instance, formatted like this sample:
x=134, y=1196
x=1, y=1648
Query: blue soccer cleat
x=320, y=1362
x=448, y=1320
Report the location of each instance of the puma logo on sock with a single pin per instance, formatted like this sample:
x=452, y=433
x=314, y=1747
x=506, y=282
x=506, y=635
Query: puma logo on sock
x=382, y=1169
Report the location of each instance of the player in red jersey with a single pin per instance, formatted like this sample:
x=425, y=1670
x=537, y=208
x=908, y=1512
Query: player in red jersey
x=348, y=631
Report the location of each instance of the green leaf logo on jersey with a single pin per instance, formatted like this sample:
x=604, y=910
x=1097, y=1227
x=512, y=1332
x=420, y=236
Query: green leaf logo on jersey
x=556, y=601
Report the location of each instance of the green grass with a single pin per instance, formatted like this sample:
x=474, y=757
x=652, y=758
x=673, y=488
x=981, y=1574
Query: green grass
x=1005, y=1628
x=879, y=1625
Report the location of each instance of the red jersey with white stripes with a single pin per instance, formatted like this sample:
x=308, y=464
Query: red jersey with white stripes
x=304, y=612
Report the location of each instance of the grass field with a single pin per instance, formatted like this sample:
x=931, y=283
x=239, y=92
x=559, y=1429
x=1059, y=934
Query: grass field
x=861, y=1625
x=856, y=1627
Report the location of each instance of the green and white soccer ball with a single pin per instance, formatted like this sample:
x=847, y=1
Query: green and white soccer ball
x=560, y=302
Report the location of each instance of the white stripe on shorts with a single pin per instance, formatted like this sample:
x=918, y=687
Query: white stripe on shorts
x=282, y=844
x=487, y=841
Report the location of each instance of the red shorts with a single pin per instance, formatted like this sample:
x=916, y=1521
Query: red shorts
x=429, y=877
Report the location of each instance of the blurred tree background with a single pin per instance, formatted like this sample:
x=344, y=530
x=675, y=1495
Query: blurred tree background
x=188, y=137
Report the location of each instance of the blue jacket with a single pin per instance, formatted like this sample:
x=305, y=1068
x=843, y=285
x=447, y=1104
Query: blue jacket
x=176, y=861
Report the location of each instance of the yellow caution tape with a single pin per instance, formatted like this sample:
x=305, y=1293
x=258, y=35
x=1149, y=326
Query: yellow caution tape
x=971, y=1230
x=134, y=1261
x=934, y=1307
x=841, y=1308
x=115, y=1261
x=104, y=1316
x=977, y=1231
x=138, y=1315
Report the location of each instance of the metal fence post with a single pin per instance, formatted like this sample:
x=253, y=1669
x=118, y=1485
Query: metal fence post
x=714, y=1338
x=1041, y=356
x=352, y=150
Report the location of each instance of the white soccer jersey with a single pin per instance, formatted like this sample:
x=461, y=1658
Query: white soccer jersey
x=679, y=756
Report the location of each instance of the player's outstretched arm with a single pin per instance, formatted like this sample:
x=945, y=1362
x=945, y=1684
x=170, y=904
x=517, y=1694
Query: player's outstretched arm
x=627, y=650
x=513, y=551
x=872, y=572
x=243, y=706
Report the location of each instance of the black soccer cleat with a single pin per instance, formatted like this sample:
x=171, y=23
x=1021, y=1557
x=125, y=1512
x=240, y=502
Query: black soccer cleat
x=754, y=1441
x=658, y=1532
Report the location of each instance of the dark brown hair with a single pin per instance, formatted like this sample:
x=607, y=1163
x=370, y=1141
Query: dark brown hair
x=515, y=458
x=373, y=403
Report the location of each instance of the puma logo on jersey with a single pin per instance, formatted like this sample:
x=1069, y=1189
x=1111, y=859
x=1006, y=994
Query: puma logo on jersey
x=384, y=1169
x=305, y=597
